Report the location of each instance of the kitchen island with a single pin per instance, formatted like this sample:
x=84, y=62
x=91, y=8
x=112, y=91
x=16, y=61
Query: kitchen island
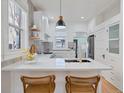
x=44, y=65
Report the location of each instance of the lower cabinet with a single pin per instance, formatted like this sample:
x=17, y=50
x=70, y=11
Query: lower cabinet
x=114, y=76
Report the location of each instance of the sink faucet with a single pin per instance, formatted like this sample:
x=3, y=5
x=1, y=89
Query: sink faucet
x=80, y=52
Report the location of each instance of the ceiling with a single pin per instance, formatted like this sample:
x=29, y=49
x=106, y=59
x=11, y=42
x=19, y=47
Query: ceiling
x=72, y=10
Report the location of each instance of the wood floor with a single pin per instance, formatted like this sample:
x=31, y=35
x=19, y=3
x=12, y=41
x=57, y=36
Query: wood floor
x=108, y=87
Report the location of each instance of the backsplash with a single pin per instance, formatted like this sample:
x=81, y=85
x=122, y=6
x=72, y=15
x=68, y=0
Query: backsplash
x=43, y=46
x=47, y=46
x=70, y=45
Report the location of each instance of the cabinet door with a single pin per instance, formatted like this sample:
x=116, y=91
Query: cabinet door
x=101, y=45
x=114, y=38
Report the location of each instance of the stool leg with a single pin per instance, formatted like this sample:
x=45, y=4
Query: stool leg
x=99, y=89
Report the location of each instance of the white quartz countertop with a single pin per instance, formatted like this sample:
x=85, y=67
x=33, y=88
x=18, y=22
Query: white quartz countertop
x=45, y=63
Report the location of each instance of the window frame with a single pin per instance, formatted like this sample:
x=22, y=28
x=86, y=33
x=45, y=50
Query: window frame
x=114, y=39
x=8, y=53
x=21, y=30
x=66, y=39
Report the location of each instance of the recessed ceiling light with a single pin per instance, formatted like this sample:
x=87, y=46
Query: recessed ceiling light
x=82, y=17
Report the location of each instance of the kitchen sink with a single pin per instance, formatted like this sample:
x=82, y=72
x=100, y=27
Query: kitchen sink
x=71, y=60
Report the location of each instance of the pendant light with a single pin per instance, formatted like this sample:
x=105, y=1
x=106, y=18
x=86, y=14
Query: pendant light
x=60, y=23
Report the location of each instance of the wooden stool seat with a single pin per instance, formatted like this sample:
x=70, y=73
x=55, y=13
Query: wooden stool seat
x=81, y=89
x=37, y=89
x=38, y=84
x=81, y=85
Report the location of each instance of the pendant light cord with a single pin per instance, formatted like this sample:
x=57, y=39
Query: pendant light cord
x=60, y=8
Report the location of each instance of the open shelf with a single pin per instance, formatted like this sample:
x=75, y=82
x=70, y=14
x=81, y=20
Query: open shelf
x=32, y=38
x=35, y=30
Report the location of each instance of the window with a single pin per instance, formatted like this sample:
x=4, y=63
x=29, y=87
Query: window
x=16, y=19
x=114, y=39
x=60, y=42
x=14, y=38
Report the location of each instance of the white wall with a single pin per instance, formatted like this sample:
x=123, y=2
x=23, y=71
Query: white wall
x=108, y=13
x=91, y=25
x=51, y=31
x=76, y=27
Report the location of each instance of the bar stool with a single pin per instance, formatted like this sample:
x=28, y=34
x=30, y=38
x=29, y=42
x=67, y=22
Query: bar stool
x=81, y=84
x=44, y=84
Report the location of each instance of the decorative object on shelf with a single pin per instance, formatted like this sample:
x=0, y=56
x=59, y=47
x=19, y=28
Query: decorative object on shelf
x=33, y=49
x=34, y=28
x=30, y=54
x=35, y=32
x=60, y=23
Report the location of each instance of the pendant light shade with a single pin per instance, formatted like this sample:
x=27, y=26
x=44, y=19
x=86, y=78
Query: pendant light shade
x=60, y=23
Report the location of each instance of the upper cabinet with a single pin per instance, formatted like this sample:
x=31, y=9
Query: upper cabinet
x=114, y=38
x=42, y=23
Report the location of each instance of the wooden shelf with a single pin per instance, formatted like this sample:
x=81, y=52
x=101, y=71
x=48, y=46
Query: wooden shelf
x=32, y=38
x=35, y=30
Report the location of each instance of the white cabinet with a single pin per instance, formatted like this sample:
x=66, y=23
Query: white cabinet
x=102, y=53
x=114, y=38
x=101, y=44
x=115, y=75
x=42, y=23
